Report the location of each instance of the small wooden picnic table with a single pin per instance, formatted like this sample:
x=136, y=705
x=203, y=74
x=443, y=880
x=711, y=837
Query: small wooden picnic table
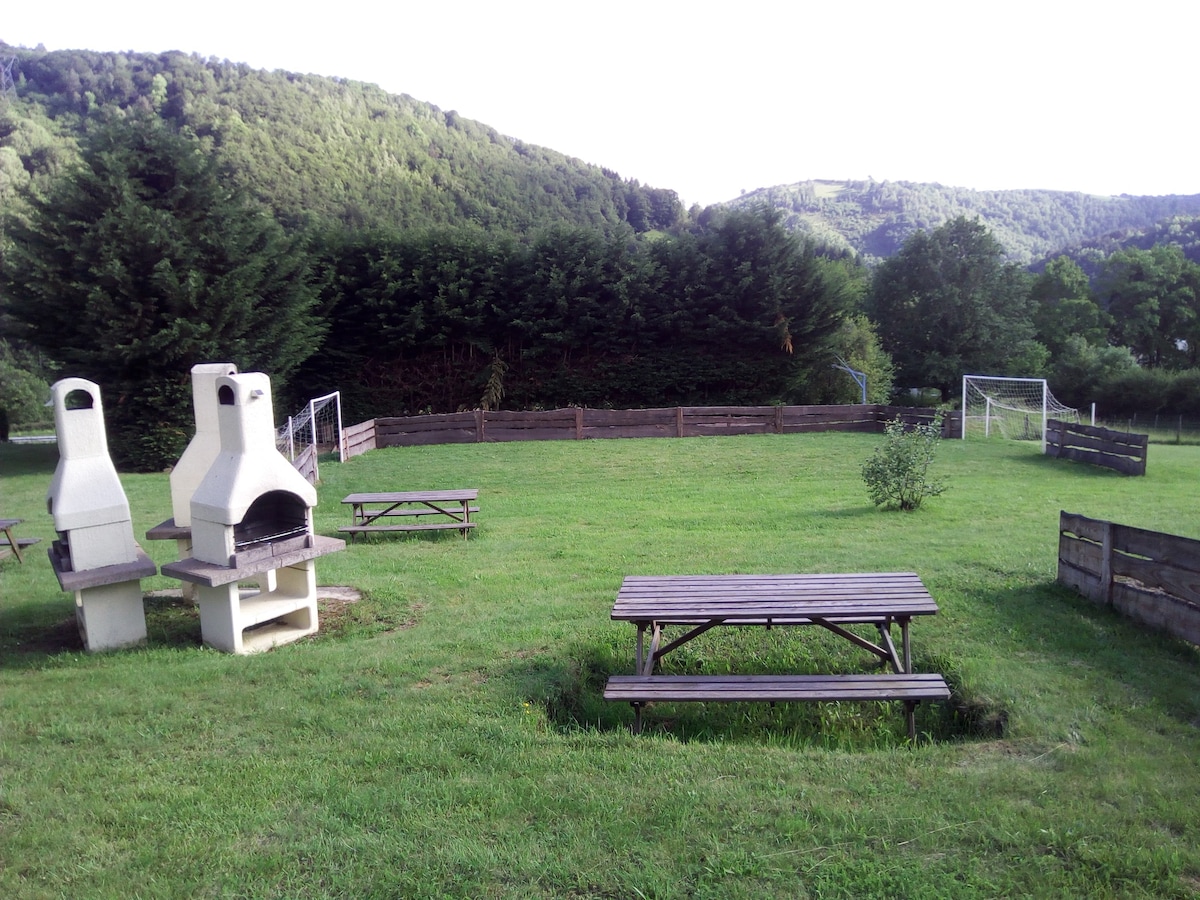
x=699, y=603
x=9, y=543
x=379, y=511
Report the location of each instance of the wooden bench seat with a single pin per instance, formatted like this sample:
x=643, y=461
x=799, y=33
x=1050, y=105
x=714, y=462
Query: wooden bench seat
x=426, y=511
x=429, y=526
x=641, y=689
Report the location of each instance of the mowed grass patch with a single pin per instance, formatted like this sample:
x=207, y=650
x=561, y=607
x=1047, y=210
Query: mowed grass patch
x=445, y=736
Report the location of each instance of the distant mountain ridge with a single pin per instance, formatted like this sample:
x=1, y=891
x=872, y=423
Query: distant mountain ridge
x=318, y=150
x=873, y=218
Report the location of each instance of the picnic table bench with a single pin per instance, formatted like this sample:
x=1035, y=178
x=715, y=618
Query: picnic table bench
x=382, y=511
x=10, y=545
x=701, y=602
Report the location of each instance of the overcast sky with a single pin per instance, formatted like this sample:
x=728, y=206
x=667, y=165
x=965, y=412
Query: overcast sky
x=711, y=99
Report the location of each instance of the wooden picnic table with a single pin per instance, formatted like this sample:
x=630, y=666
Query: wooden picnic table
x=10, y=543
x=381, y=511
x=698, y=603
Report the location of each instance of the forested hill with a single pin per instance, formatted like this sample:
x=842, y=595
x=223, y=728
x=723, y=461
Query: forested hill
x=874, y=218
x=314, y=148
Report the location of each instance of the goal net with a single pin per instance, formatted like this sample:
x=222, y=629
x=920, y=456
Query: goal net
x=318, y=425
x=1015, y=408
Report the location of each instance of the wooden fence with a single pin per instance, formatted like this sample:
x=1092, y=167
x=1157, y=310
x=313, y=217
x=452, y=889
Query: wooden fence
x=1151, y=577
x=306, y=463
x=1118, y=450
x=577, y=423
x=358, y=439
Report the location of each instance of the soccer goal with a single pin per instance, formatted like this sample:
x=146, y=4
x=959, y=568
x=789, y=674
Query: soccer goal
x=1014, y=408
x=318, y=425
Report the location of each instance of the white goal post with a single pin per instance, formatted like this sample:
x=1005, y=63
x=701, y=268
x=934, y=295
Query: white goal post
x=319, y=425
x=1012, y=407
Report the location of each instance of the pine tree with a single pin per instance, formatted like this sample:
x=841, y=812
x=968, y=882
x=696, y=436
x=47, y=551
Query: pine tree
x=142, y=262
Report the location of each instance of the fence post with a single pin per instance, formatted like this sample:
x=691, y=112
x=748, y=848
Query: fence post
x=1106, y=576
x=579, y=423
x=679, y=421
x=478, y=425
x=779, y=420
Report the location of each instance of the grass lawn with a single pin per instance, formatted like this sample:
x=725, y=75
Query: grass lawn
x=445, y=735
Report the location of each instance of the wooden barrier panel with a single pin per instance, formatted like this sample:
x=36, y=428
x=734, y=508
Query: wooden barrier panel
x=544, y=425
x=306, y=463
x=359, y=438
x=442, y=428
x=856, y=417
x=629, y=423
x=1153, y=578
x=707, y=421
x=1118, y=450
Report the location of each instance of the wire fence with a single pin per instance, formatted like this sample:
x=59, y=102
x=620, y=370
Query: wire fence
x=1162, y=428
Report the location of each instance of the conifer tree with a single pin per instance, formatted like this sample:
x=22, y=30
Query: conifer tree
x=142, y=262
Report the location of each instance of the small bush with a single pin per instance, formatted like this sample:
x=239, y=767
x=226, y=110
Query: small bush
x=897, y=474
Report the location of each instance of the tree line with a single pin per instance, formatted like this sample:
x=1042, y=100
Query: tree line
x=950, y=304
x=141, y=250
x=145, y=259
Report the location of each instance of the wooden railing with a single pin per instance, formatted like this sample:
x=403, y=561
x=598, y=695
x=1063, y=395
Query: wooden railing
x=577, y=423
x=1118, y=450
x=1153, y=578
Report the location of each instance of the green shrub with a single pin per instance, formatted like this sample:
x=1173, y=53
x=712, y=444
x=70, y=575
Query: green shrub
x=897, y=474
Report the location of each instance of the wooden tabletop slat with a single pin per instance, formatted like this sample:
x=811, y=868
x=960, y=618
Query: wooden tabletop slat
x=413, y=496
x=734, y=598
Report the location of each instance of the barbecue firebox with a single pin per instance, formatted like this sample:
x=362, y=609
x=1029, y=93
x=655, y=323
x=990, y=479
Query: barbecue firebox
x=95, y=555
x=253, y=544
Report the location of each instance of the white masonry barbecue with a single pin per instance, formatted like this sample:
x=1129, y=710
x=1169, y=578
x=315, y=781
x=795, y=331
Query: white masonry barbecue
x=95, y=555
x=251, y=521
x=197, y=459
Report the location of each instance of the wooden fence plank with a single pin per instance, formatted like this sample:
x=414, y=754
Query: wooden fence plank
x=1155, y=576
x=1161, y=611
x=1122, y=464
x=1082, y=555
x=1168, y=549
x=1090, y=529
x=1086, y=584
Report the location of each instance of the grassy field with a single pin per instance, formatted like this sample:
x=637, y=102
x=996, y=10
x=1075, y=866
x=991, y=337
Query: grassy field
x=445, y=735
